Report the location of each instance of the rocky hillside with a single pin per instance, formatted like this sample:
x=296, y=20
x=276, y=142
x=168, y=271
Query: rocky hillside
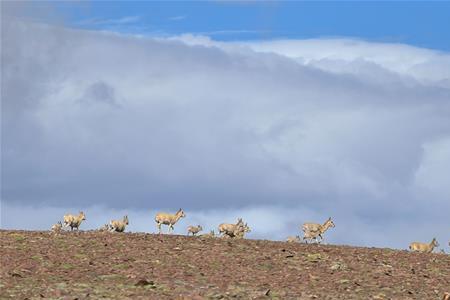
x=91, y=265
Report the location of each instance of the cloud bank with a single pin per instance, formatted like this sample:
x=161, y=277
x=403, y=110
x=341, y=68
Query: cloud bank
x=276, y=132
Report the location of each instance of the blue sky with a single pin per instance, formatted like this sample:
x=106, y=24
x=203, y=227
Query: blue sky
x=423, y=24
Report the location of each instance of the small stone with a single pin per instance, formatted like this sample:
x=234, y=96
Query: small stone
x=144, y=282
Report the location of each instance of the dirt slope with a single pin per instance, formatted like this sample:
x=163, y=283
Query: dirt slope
x=91, y=265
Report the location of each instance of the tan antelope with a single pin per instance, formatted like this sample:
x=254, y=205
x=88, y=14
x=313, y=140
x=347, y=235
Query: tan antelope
x=194, y=229
x=311, y=235
x=241, y=230
x=119, y=226
x=74, y=221
x=56, y=228
x=168, y=219
x=227, y=228
x=424, y=247
x=293, y=239
x=106, y=227
x=237, y=230
x=314, y=230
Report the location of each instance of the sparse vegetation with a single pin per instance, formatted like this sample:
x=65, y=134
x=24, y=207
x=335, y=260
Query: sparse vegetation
x=92, y=265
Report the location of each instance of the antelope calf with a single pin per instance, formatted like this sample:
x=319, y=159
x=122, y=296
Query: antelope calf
x=311, y=235
x=293, y=239
x=57, y=228
x=424, y=247
x=119, y=226
x=74, y=221
x=168, y=219
x=314, y=230
x=194, y=229
x=106, y=227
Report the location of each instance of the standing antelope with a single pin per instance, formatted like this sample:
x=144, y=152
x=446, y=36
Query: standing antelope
x=194, y=229
x=119, y=226
x=168, y=219
x=74, y=221
x=314, y=230
x=424, y=247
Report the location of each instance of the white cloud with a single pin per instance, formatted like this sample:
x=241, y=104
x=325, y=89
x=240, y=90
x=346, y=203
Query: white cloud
x=432, y=173
x=351, y=56
x=277, y=132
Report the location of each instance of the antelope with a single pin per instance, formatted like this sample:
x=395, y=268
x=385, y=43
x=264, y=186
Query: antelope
x=168, y=219
x=312, y=230
x=311, y=235
x=241, y=230
x=293, y=239
x=194, y=229
x=226, y=228
x=119, y=226
x=56, y=228
x=237, y=230
x=74, y=221
x=106, y=227
x=424, y=247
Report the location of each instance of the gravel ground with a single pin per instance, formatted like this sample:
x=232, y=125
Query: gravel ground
x=93, y=265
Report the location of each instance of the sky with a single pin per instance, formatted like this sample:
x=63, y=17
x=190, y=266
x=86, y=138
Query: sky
x=279, y=113
x=419, y=23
